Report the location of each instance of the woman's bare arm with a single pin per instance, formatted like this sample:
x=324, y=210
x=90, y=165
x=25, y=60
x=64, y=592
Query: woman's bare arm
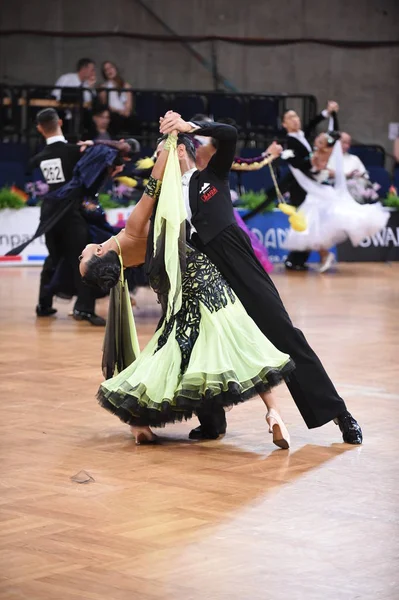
x=137, y=223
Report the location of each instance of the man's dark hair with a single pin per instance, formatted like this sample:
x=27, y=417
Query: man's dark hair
x=103, y=272
x=48, y=119
x=287, y=111
x=184, y=139
x=83, y=62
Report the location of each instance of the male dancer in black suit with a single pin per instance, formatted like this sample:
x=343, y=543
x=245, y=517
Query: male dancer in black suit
x=69, y=236
x=300, y=157
x=214, y=231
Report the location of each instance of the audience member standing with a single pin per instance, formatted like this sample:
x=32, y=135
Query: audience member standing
x=118, y=98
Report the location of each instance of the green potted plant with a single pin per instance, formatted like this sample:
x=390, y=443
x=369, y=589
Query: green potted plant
x=392, y=200
x=10, y=199
x=251, y=200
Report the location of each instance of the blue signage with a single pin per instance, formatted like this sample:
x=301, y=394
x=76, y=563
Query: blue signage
x=272, y=228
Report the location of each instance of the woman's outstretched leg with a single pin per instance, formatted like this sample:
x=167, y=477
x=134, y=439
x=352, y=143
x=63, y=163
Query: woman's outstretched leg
x=277, y=427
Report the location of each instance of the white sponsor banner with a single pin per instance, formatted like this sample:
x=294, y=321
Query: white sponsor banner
x=17, y=226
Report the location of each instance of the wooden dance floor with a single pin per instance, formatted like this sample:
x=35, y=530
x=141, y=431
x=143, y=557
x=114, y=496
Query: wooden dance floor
x=235, y=519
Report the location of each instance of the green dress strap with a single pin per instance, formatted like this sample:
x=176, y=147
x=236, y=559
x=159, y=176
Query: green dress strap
x=122, y=277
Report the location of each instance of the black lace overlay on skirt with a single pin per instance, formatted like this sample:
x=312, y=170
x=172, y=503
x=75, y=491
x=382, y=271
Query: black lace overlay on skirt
x=201, y=282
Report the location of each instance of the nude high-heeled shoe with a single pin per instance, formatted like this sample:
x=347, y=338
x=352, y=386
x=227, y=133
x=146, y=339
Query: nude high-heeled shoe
x=277, y=427
x=143, y=435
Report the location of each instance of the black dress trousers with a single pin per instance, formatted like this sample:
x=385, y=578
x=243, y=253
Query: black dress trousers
x=311, y=388
x=65, y=241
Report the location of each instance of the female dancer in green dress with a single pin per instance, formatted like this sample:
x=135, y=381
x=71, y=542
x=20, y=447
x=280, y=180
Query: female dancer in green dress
x=207, y=351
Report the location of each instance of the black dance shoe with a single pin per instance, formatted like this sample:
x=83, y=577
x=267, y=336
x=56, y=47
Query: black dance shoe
x=293, y=267
x=212, y=427
x=200, y=433
x=212, y=424
x=350, y=428
x=92, y=318
x=45, y=311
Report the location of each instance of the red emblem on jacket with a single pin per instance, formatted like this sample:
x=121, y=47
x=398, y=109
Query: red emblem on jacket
x=207, y=192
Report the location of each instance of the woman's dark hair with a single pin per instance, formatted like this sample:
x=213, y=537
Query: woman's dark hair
x=103, y=272
x=332, y=137
x=184, y=139
x=119, y=81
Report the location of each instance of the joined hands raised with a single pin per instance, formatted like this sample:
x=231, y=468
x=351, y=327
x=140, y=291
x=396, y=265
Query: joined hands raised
x=172, y=123
x=332, y=106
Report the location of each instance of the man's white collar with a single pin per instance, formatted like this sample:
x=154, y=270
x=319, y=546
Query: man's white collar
x=300, y=136
x=55, y=138
x=187, y=175
x=297, y=134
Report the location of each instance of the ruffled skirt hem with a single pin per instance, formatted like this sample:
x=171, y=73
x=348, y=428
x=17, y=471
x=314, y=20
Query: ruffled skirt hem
x=134, y=407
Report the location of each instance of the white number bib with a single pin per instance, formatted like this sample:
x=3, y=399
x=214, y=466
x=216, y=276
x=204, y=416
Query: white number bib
x=52, y=170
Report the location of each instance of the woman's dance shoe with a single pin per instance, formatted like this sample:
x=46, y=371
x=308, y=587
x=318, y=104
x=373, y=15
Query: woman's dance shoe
x=277, y=427
x=328, y=263
x=143, y=436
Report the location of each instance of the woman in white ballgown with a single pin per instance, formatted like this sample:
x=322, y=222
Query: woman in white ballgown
x=332, y=215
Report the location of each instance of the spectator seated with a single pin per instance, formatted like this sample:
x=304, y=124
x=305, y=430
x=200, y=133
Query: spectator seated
x=85, y=76
x=360, y=184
